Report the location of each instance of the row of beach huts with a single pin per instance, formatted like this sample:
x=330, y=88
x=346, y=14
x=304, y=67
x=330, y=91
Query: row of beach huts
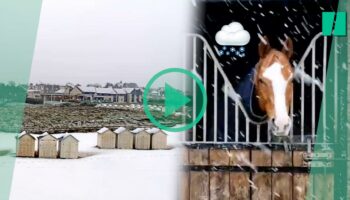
x=47, y=146
x=67, y=146
x=139, y=138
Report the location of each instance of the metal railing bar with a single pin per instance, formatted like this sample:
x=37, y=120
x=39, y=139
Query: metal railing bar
x=313, y=94
x=205, y=87
x=324, y=74
x=194, y=62
x=226, y=113
x=215, y=101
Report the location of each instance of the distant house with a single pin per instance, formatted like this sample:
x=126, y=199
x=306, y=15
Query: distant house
x=26, y=145
x=156, y=93
x=133, y=95
x=142, y=139
x=158, y=139
x=56, y=96
x=105, y=94
x=125, y=139
x=106, y=139
x=34, y=94
x=44, y=88
x=68, y=147
x=83, y=93
x=47, y=146
x=61, y=94
x=121, y=95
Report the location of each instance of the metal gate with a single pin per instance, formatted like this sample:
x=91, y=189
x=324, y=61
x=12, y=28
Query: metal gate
x=239, y=110
x=214, y=163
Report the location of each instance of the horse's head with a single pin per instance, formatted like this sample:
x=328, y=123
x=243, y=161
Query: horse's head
x=274, y=86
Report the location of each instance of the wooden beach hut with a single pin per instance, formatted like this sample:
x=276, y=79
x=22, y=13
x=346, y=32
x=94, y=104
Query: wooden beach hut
x=158, y=138
x=26, y=144
x=125, y=139
x=68, y=147
x=106, y=139
x=47, y=146
x=142, y=139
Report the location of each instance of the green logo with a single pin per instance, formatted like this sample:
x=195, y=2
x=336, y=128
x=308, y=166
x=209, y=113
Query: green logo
x=175, y=99
x=328, y=19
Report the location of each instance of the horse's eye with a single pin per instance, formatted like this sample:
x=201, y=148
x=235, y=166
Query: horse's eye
x=261, y=81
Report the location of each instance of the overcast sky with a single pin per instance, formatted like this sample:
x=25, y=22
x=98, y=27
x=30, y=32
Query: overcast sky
x=95, y=41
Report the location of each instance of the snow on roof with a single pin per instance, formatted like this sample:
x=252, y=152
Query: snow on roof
x=34, y=136
x=155, y=130
x=21, y=134
x=102, y=130
x=66, y=136
x=60, y=91
x=120, y=91
x=129, y=90
x=120, y=130
x=105, y=91
x=137, y=130
x=45, y=134
x=152, y=130
x=33, y=90
x=87, y=89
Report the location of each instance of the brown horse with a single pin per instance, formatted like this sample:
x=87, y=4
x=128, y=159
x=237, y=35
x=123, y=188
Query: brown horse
x=274, y=86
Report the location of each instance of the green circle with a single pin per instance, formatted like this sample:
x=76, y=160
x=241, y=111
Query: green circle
x=148, y=87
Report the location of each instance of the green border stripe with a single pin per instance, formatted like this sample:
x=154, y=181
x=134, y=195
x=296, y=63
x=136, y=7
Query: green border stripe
x=331, y=182
x=18, y=29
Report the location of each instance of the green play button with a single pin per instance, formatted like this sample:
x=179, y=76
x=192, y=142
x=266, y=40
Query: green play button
x=175, y=99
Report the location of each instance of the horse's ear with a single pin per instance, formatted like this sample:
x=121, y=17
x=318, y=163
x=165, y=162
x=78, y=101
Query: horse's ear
x=288, y=48
x=264, y=47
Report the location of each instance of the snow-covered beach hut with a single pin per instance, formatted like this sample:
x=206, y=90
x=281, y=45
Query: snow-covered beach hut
x=106, y=139
x=158, y=138
x=47, y=146
x=68, y=147
x=125, y=139
x=142, y=139
x=26, y=145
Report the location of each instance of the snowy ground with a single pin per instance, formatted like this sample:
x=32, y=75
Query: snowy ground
x=103, y=174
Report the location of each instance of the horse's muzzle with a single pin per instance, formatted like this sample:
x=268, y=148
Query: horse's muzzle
x=280, y=129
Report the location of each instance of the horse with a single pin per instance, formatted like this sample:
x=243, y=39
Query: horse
x=273, y=84
x=266, y=93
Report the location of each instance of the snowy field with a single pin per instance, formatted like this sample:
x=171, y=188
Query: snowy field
x=101, y=174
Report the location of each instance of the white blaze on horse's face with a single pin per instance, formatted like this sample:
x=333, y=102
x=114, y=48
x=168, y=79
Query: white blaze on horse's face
x=281, y=123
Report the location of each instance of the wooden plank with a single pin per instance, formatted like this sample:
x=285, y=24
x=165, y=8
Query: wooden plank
x=261, y=158
x=184, y=186
x=219, y=157
x=281, y=158
x=219, y=186
x=282, y=186
x=324, y=186
x=239, y=186
x=239, y=157
x=261, y=188
x=199, y=185
x=300, y=186
x=198, y=156
x=185, y=156
x=298, y=160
